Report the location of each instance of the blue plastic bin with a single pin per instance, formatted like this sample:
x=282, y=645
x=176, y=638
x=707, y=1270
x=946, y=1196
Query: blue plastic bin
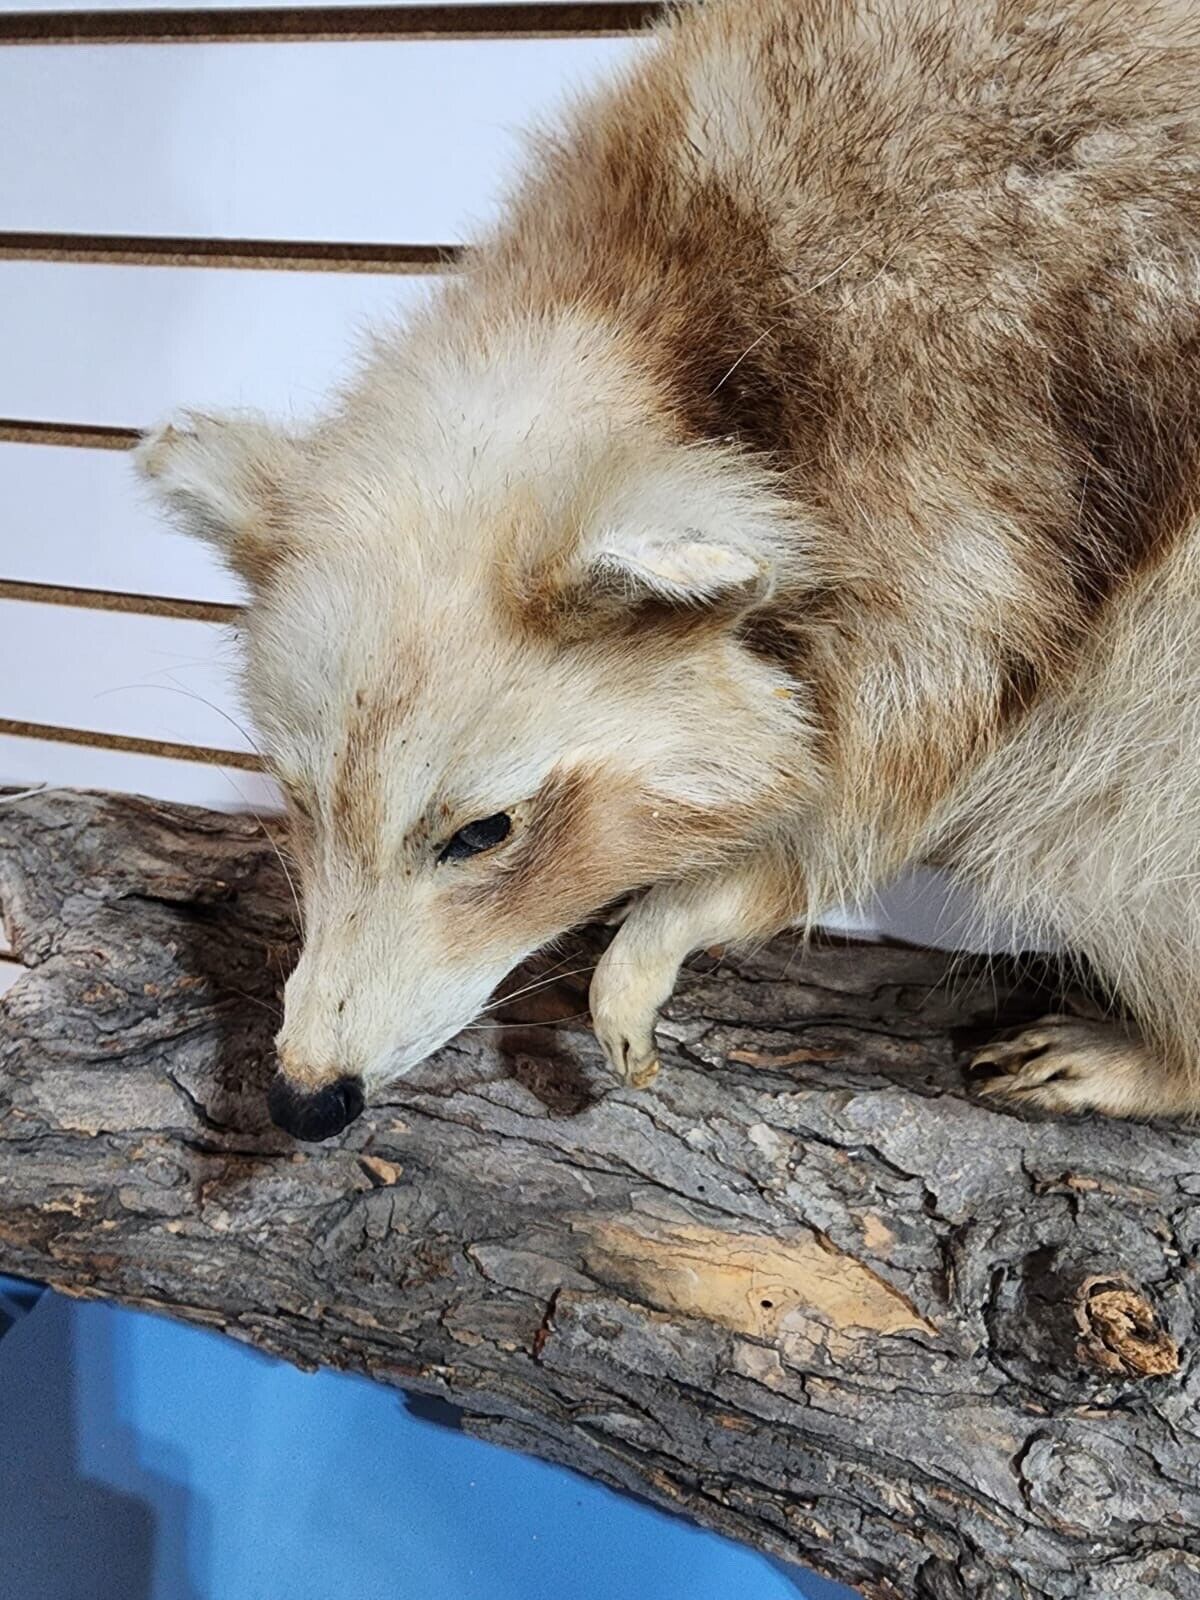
x=144, y=1460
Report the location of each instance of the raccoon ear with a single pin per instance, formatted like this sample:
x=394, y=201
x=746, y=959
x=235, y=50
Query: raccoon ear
x=220, y=479
x=696, y=527
x=700, y=526
x=685, y=567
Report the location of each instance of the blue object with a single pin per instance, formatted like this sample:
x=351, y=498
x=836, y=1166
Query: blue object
x=17, y=1298
x=144, y=1460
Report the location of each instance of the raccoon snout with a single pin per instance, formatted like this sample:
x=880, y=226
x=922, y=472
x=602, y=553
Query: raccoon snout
x=314, y=1114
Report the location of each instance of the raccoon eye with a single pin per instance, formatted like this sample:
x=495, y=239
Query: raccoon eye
x=477, y=837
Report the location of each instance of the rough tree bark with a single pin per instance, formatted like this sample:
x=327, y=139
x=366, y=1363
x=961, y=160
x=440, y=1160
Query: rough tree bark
x=805, y=1288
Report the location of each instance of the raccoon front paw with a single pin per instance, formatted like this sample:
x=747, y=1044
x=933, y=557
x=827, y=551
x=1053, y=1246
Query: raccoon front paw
x=635, y=1061
x=624, y=1006
x=1067, y=1064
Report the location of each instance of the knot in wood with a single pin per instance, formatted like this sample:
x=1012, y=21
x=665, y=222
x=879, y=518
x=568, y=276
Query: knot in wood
x=1071, y=1487
x=1119, y=1331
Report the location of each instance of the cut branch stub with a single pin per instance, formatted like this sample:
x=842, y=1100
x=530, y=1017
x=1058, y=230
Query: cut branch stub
x=1120, y=1331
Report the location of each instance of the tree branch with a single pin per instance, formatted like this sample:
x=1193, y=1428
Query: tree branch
x=804, y=1288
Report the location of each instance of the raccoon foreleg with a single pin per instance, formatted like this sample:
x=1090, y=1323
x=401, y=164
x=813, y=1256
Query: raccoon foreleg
x=637, y=972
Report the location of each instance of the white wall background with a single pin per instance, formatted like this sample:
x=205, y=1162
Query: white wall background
x=401, y=142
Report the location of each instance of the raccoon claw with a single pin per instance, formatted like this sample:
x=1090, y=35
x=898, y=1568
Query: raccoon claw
x=625, y=1032
x=635, y=1062
x=1026, y=1058
x=632, y=982
x=638, y=1068
x=1064, y=1064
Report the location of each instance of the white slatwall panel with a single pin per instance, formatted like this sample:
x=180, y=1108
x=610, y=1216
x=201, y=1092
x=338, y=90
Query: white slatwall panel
x=32, y=761
x=76, y=517
x=126, y=345
x=147, y=677
x=403, y=142
x=926, y=907
x=408, y=140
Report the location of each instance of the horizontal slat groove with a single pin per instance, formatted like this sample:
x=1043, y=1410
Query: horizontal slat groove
x=143, y=605
x=596, y=20
x=130, y=745
x=271, y=255
x=79, y=435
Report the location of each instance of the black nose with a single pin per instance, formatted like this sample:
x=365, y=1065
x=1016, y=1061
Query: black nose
x=317, y=1114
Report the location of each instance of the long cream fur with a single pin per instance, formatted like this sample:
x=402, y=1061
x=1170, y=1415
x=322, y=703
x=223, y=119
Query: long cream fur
x=802, y=481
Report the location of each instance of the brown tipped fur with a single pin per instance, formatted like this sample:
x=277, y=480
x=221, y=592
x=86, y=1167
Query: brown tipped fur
x=852, y=505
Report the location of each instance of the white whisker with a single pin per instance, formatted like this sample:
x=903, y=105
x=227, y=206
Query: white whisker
x=191, y=694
